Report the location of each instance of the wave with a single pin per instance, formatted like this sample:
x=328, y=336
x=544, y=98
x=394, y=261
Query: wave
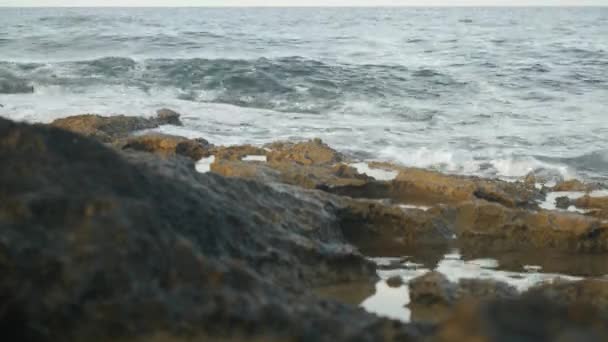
x=292, y=84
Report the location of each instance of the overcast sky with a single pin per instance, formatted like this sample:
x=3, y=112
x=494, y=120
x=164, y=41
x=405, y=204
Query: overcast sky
x=303, y=2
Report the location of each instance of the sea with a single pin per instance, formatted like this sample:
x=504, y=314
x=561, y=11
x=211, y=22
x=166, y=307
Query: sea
x=494, y=92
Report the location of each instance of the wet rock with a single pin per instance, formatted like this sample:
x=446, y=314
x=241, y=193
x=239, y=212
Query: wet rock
x=563, y=202
x=313, y=152
x=427, y=187
x=575, y=185
x=588, y=202
x=435, y=288
x=236, y=153
x=378, y=229
x=168, y=117
x=593, y=292
x=543, y=176
x=395, y=281
x=490, y=223
x=97, y=245
x=108, y=129
x=167, y=145
x=527, y=318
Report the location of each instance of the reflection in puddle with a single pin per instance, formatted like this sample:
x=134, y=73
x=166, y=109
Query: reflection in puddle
x=391, y=302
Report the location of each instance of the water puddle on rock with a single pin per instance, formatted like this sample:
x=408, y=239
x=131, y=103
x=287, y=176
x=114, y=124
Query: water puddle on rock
x=391, y=298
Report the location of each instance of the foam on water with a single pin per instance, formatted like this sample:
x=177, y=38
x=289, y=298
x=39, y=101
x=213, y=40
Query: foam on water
x=204, y=165
x=378, y=174
x=550, y=201
x=475, y=99
x=253, y=158
x=392, y=302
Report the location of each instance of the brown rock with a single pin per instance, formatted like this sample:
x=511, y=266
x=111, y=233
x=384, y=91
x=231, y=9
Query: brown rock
x=313, y=152
x=167, y=145
x=235, y=153
x=168, y=117
x=107, y=129
x=435, y=288
x=574, y=185
x=588, y=202
x=491, y=223
x=528, y=318
x=427, y=187
x=395, y=281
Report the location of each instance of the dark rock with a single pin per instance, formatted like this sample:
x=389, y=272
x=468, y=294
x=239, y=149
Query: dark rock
x=98, y=246
x=168, y=117
x=523, y=319
x=435, y=288
x=395, y=281
x=563, y=202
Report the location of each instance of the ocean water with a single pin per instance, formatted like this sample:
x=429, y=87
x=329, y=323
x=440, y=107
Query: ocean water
x=495, y=92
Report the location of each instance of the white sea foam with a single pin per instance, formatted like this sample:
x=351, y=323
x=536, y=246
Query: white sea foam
x=378, y=174
x=391, y=302
x=549, y=202
x=204, y=165
x=253, y=158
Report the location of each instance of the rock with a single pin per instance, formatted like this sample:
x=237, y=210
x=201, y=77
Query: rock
x=395, y=281
x=168, y=117
x=236, y=153
x=527, y=318
x=588, y=202
x=575, y=185
x=427, y=187
x=593, y=292
x=493, y=224
x=97, y=245
x=166, y=145
x=313, y=152
x=543, y=176
x=108, y=129
x=435, y=288
x=378, y=229
x=563, y=202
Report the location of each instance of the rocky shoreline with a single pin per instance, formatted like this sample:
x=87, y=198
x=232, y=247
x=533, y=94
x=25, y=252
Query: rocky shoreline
x=108, y=232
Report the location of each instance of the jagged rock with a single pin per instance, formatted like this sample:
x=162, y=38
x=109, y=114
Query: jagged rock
x=563, y=202
x=169, y=117
x=593, y=292
x=108, y=129
x=494, y=224
x=313, y=152
x=236, y=153
x=588, y=202
x=574, y=185
x=435, y=288
x=526, y=318
x=166, y=145
x=378, y=229
x=95, y=245
x=395, y=281
x=427, y=187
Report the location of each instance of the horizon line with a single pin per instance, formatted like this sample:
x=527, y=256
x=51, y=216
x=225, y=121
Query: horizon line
x=323, y=6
